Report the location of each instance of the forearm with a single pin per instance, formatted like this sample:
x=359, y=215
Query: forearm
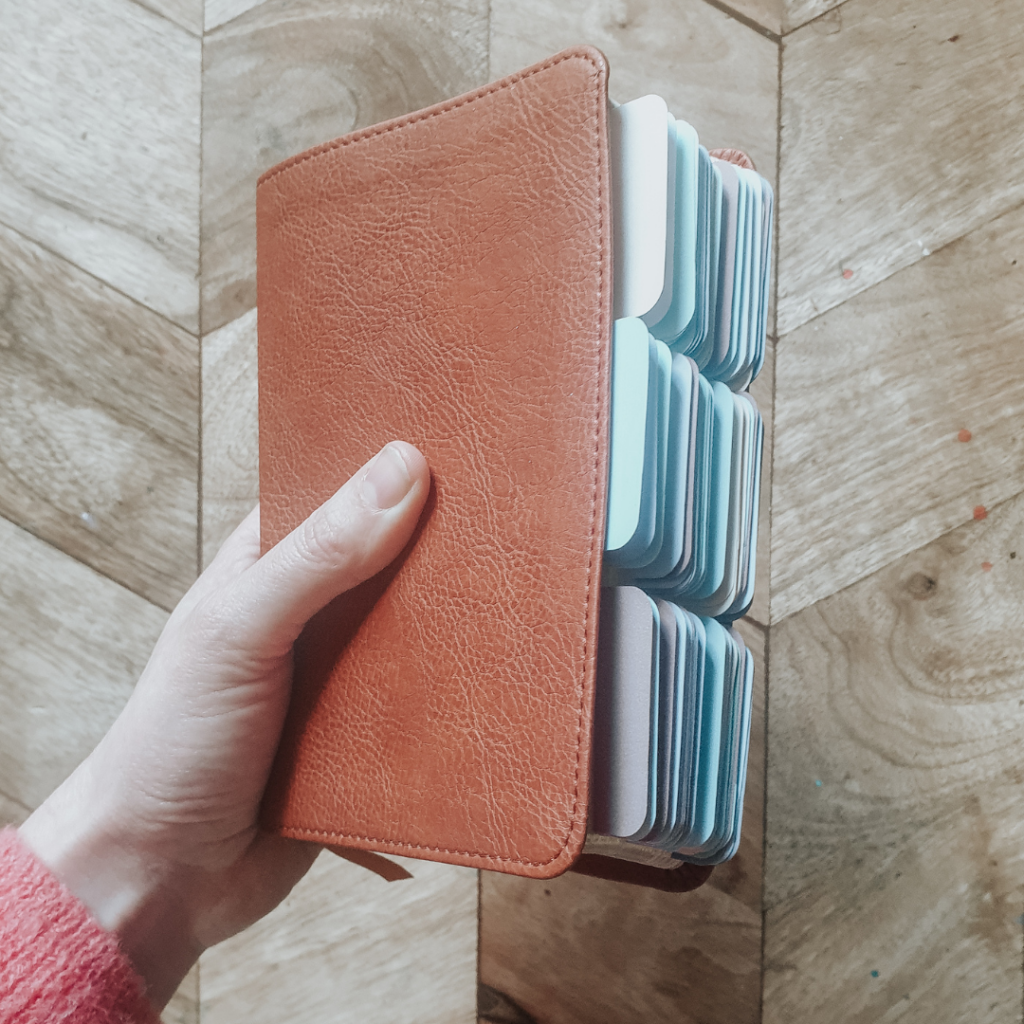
x=56, y=962
x=136, y=897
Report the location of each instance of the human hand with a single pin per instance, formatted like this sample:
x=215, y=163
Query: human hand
x=156, y=831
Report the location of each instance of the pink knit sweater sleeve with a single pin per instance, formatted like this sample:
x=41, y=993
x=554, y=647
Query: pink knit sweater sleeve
x=56, y=963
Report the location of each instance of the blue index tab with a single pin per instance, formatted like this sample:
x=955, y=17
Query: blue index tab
x=752, y=494
x=627, y=438
x=736, y=519
x=631, y=532
x=718, y=491
x=749, y=259
x=679, y=473
x=724, y=841
x=726, y=297
x=659, y=451
x=767, y=209
x=684, y=261
x=693, y=335
x=674, y=651
x=690, y=572
x=697, y=831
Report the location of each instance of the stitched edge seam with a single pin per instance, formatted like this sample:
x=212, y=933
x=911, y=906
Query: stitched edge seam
x=324, y=150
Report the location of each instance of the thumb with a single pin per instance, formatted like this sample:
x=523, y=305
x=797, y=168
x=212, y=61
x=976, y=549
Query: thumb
x=348, y=539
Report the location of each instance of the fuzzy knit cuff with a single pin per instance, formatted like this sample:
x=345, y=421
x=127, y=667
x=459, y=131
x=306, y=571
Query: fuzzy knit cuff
x=57, y=965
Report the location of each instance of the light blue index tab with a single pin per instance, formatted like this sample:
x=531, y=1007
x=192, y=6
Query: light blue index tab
x=684, y=262
x=710, y=737
x=628, y=433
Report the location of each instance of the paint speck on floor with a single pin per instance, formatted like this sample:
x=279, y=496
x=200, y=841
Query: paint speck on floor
x=874, y=974
x=964, y=436
x=980, y=512
x=817, y=782
x=847, y=274
x=986, y=566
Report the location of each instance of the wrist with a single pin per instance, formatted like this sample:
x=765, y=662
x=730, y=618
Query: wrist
x=77, y=834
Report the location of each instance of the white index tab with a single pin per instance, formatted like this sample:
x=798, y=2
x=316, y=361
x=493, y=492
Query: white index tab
x=639, y=172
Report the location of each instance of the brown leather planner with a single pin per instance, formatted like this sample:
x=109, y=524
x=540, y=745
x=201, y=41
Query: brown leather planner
x=445, y=278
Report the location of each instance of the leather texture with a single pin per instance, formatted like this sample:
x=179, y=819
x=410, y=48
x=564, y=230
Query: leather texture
x=445, y=278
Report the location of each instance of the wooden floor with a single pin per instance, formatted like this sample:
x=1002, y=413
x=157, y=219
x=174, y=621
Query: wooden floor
x=881, y=876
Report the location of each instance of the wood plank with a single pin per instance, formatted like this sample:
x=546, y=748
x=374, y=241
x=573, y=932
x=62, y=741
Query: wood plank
x=895, y=865
x=769, y=14
x=288, y=75
x=99, y=410
x=869, y=403
x=798, y=12
x=579, y=950
x=220, y=12
x=72, y=644
x=726, y=86
x=346, y=946
x=231, y=483
x=897, y=132
x=12, y=812
x=184, y=1005
x=186, y=13
x=100, y=137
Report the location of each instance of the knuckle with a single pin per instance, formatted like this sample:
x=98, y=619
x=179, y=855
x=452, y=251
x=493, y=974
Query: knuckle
x=328, y=539
x=212, y=623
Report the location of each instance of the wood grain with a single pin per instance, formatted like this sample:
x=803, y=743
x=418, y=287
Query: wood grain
x=579, y=950
x=895, y=871
x=12, y=812
x=769, y=14
x=220, y=12
x=230, y=460
x=869, y=402
x=99, y=408
x=899, y=124
x=346, y=946
x=288, y=75
x=726, y=85
x=72, y=644
x=798, y=12
x=186, y=13
x=184, y=1005
x=100, y=144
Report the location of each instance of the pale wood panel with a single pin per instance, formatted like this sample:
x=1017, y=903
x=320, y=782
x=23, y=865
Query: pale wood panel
x=12, y=812
x=219, y=12
x=579, y=950
x=869, y=402
x=231, y=484
x=896, y=810
x=586, y=951
x=900, y=132
x=798, y=12
x=712, y=70
x=184, y=1005
x=769, y=14
x=99, y=410
x=346, y=946
x=100, y=144
x=741, y=877
x=72, y=644
x=186, y=13
x=288, y=75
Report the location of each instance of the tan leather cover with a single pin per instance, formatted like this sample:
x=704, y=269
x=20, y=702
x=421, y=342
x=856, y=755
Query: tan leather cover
x=445, y=278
